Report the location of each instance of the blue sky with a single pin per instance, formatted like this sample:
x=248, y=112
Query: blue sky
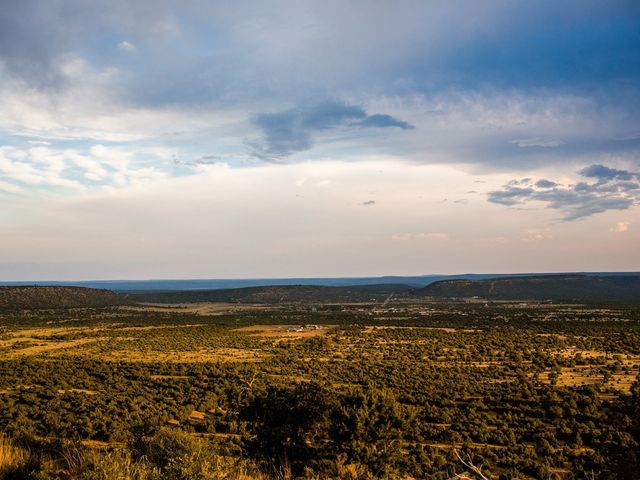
x=233, y=139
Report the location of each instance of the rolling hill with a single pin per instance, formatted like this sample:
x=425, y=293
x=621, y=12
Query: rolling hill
x=36, y=297
x=565, y=288
x=276, y=294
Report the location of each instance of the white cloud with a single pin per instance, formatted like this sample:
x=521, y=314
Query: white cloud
x=126, y=46
x=91, y=104
x=38, y=166
x=9, y=187
x=48, y=167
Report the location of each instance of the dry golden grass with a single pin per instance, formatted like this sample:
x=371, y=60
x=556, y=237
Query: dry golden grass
x=44, y=346
x=586, y=375
x=77, y=390
x=196, y=416
x=622, y=381
x=195, y=356
x=203, y=308
x=11, y=457
x=37, y=334
x=552, y=335
x=370, y=328
x=572, y=351
x=100, y=445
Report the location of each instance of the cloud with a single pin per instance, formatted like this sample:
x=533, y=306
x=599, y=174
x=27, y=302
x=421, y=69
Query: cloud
x=368, y=203
x=537, y=142
x=383, y=121
x=75, y=170
x=510, y=195
x=605, y=174
x=409, y=237
x=126, y=46
x=545, y=184
x=620, y=227
x=291, y=131
x=613, y=190
x=47, y=235
x=537, y=234
x=9, y=187
x=209, y=159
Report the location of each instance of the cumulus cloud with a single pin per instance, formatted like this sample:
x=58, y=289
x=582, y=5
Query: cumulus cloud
x=37, y=166
x=98, y=166
x=291, y=131
x=613, y=190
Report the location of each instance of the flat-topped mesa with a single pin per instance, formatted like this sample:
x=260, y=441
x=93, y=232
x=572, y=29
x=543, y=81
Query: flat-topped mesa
x=557, y=288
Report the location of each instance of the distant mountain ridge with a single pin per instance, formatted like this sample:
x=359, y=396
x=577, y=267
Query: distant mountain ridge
x=579, y=288
x=160, y=285
x=48, y=297
x=557, y=288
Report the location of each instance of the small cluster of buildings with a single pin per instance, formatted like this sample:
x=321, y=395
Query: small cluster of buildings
x=304, y=328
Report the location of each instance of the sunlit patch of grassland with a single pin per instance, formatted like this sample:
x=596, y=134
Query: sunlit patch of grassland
x=12, y=458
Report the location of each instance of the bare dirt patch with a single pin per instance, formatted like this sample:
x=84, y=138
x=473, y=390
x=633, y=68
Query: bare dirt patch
x=77, y=390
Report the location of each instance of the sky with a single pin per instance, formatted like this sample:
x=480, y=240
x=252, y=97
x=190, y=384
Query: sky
x=194, y=139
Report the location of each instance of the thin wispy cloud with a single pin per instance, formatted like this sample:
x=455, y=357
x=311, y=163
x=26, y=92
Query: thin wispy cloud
x=126, y=46
x=621, y=227
x=537, y=142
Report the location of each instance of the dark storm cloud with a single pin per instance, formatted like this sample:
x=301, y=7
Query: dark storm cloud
x=383, y=121
x=291, y=131
x=545, y=184
x=510, y=195
x=604, y=173
x=244, y=57
x=261, y=47
x=613, y=190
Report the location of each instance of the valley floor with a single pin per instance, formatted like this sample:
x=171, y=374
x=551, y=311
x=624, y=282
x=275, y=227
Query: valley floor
x=400, y=388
